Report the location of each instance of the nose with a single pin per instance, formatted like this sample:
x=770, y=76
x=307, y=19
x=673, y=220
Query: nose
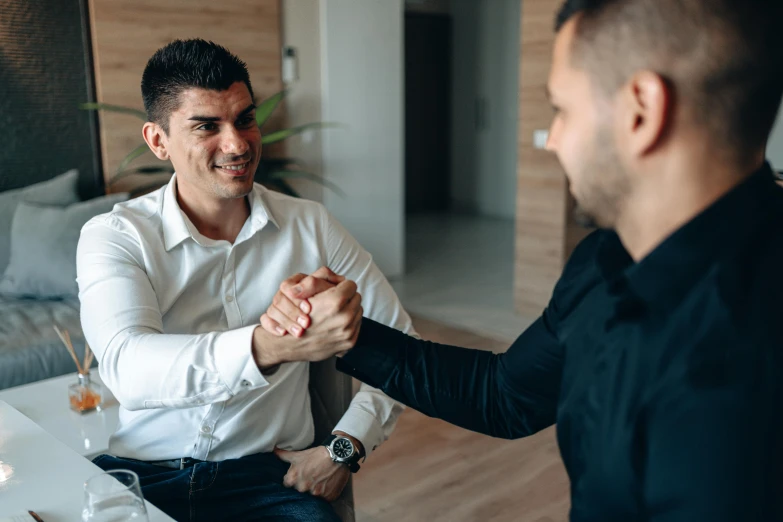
x=551, y=139
x=233, y=142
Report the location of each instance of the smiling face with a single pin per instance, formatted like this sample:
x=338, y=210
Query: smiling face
x=213, y=142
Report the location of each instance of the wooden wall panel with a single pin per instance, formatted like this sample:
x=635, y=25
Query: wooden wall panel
x=126, y=33
x=542, y=195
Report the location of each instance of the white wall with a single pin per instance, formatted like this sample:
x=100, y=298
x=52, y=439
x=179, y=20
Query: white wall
x=485, y=69
x=362, y=87
x=775, y=147
x=301, y=30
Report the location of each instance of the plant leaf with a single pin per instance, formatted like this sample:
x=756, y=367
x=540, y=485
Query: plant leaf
x=274, y=137
x=132, y=155
x=293, y=174
x=268, y=106
x=146, y=170
x=113, y=108
x=272, y=164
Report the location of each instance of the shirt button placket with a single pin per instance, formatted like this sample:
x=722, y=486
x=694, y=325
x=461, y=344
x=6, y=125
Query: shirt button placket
x=206, y=431
x=228, y=291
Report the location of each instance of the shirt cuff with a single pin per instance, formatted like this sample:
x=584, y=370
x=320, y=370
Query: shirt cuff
x=234, y=360
x=363, y=426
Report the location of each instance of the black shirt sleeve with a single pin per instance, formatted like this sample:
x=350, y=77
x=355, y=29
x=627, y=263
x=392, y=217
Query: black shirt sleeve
x=509, y=395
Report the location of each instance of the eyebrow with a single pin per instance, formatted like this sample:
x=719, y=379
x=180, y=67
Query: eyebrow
x=209, y=119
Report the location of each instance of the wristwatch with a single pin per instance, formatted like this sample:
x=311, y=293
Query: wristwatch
x=343, y=451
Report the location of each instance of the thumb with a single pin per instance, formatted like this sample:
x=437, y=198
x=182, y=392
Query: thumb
x=284, y=455
x=326, y=273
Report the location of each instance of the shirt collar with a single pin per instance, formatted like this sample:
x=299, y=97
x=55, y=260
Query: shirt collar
x=665, y=275
x=177, y=227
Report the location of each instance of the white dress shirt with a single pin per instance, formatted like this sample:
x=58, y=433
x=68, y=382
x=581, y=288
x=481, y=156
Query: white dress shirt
x=170, y=315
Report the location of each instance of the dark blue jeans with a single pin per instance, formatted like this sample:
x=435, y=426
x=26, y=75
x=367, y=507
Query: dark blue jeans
x=250, y=488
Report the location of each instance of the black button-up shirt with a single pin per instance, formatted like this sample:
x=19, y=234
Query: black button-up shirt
x=663, y=376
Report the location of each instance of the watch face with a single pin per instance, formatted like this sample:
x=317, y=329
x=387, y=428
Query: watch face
x=343, y=448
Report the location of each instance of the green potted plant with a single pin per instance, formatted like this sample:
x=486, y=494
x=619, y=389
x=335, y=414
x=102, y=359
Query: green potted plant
x=272, y=172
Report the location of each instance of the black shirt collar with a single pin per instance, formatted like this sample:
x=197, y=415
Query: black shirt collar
x=665, y=275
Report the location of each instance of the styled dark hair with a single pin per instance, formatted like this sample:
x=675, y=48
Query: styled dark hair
x=723, y=58
x=184, y=64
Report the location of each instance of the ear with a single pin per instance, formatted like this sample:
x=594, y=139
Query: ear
x=156, y=139
x=647, y=111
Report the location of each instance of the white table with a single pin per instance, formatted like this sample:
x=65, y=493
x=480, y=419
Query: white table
x=46, y=403
x=40, y=473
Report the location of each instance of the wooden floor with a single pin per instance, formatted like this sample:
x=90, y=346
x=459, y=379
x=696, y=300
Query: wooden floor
x=432, y=471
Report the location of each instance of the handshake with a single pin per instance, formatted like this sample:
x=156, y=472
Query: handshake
x=311, y=318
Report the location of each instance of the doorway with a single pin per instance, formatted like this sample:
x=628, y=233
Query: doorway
x=461, y=103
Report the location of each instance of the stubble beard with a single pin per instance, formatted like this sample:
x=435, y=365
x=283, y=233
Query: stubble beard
x=605, y=186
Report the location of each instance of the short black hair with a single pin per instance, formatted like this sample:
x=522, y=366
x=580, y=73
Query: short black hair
x=185, y=64
x=724, y=58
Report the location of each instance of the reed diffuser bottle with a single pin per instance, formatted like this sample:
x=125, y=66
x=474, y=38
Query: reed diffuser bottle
x=84, y=395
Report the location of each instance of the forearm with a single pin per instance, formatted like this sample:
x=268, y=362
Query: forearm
x=147, y=369
x=141, y=364
x=461, y=386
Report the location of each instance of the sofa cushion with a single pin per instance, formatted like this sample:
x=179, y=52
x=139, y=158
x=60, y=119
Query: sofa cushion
x=60, y=191
x=43, y=247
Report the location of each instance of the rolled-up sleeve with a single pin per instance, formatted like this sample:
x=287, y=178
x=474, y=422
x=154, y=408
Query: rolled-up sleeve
x=122, y=322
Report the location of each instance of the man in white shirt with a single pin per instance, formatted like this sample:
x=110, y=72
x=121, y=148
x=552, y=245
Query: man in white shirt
x=172, y=285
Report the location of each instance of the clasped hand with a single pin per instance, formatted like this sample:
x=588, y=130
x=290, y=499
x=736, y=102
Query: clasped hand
x=321, y=312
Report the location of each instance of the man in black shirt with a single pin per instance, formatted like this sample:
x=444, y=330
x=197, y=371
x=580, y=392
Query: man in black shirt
x=660, y=355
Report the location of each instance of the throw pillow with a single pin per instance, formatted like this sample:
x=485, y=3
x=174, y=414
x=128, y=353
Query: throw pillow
x=60, y=191
x=43, y=247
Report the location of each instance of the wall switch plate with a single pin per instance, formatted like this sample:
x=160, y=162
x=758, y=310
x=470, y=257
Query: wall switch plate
x=540, y=137
x=290, y=72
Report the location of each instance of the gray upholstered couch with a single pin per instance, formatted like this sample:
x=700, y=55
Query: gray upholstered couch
x=29, y=347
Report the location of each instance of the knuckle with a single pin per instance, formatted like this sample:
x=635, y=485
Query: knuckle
x=291, y=281
x=277, y=299
x=273, y=313
x=283, y=305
